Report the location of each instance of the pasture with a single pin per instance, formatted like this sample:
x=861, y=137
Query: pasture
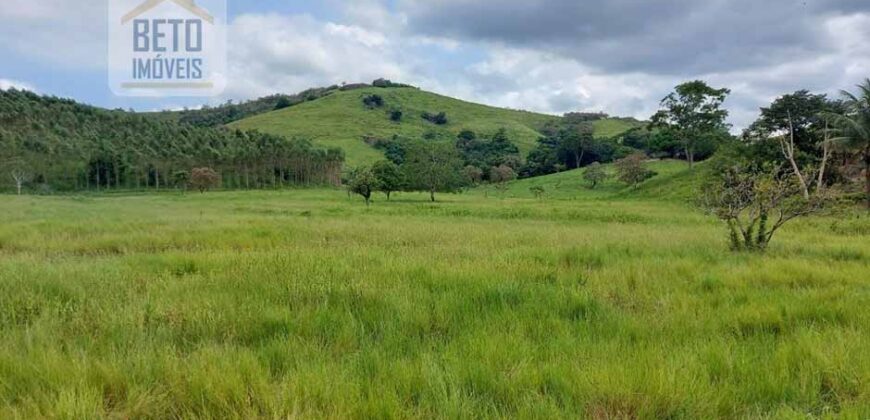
x=305, y=303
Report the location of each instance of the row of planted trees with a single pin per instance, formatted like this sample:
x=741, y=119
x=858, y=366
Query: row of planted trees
x=53, y=144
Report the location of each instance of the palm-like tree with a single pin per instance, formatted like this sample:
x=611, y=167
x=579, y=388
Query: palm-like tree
x=855, y=128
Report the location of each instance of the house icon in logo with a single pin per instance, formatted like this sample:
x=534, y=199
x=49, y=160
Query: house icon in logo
x=190, y=5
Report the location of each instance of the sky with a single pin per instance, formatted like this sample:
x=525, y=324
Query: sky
x=555, y=56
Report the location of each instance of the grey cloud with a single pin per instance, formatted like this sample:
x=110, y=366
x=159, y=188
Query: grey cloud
x=670, y=37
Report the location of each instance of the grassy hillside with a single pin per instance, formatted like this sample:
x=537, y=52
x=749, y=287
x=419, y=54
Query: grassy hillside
x=341, y=120
x=674, y=182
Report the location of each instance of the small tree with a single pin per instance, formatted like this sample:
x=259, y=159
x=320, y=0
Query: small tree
x=632, y=169
x=595, y=174
x=756, y=204
x=204, y=179
x=501, y=176
x=181, y=179
x=389, y=177
x=363, y=182
x=21, y=176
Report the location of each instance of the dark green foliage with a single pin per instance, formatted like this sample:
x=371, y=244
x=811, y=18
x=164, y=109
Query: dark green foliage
x=373, y=101
x=437, y=119
x=491, y=152
x=364, y=182
x=68, y=146
x=396, y=115
x=385, y=83
x=693, y=114
x=389, y=176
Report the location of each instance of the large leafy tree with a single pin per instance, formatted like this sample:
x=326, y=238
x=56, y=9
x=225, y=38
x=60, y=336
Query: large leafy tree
x=693, y=113
x=433, y=167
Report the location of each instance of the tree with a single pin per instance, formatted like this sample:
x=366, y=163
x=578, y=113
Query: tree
x=756, y=204
x=389, y=177
x=501, y=176
x=204, y=179
x=632, y=169
x=800, y=124
x=432, y=167
x=364, y=182
x=595, y=174
x=854, y=126
x=20, y=175
x=577, y=141
x=692, y=112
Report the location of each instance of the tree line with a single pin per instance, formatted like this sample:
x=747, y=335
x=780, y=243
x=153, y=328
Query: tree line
x=52, y=144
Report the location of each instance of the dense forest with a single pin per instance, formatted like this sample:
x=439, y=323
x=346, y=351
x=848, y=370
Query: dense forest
x=52, y=144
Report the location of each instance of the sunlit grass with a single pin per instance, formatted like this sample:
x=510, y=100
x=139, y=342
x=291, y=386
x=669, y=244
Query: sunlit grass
x=308, y=304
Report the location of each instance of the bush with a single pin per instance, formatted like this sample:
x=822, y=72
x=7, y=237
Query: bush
x=373, y=101
x=396, y=115
x=438, y=119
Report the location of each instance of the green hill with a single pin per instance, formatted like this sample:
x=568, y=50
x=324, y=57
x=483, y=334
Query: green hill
x=674, y=182
x=340, y=119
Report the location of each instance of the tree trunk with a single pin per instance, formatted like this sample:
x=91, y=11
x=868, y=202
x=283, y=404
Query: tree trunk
x=18, y=185
x=432, y=195
x=867, y=175
x=690, y=156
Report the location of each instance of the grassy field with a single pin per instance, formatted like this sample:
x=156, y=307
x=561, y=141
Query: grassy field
x=341, y=120
x=604, y=304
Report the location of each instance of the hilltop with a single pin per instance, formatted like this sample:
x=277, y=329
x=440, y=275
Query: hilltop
x=341, y=119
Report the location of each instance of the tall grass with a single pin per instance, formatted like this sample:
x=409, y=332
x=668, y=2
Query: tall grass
x=307, y=304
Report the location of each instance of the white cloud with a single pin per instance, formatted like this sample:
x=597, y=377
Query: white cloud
x=275, y=53
x=6, y=84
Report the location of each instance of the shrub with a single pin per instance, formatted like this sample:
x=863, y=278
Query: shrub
x=396, y=115
x=438, y=119
x=373, y=101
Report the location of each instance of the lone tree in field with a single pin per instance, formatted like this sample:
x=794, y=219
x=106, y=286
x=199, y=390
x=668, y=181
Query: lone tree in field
x=432, y=167
x=204, y=179
x=632, y=169
x=756, y=204
x=595, y=174
x=364, y=182
x=389, y=177
x=501, y=176
x=692, y=113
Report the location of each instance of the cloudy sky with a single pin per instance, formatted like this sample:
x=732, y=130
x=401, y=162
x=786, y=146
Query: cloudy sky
x=554, y=56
